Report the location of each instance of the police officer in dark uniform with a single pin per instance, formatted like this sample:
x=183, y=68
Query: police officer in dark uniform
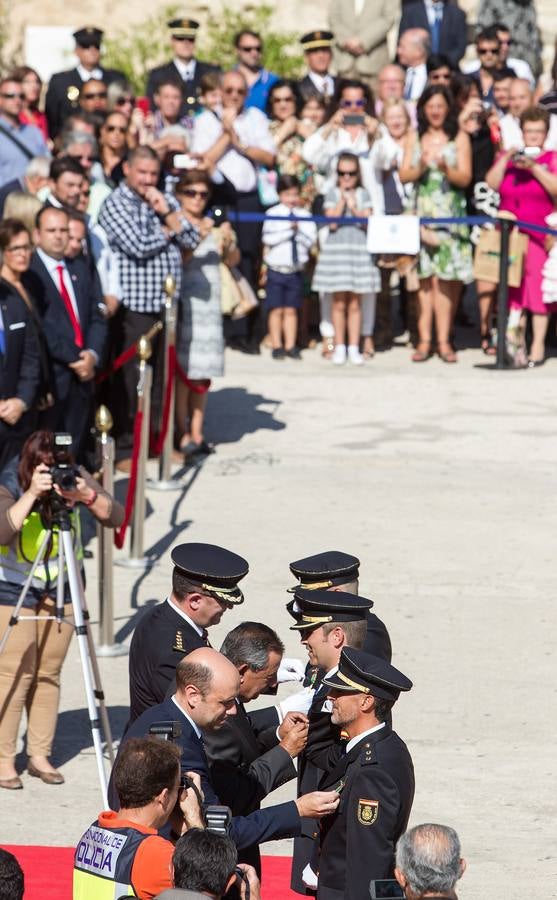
x=326, y=621
x=318, y=54
x=337, y=571
x=185, y=70
x=62, y=96
x=204, y=585
x=373, y=774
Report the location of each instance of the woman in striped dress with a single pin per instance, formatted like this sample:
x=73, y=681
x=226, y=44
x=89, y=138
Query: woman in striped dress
x=345, y=267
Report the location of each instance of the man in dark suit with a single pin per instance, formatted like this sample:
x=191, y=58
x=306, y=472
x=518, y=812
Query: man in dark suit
x=184, y=69
x=204, y=585
x=207, y=685
x=318, y=54
x=249, y=756
x=372, y=773
x=19, y=354
x=62, y=96
x=327, y=621
x=73, y=325
x=444, y=20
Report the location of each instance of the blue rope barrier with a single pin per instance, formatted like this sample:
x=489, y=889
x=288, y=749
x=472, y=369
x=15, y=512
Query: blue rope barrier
x=359, y=220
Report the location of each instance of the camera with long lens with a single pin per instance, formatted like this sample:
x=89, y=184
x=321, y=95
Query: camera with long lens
x=64, y=474
x=217, y=818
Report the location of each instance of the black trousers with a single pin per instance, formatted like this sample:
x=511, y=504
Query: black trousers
x=249, y=243
x=126, y=328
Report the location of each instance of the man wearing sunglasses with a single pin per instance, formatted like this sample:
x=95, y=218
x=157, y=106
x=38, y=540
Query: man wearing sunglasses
x=249, y=51
x=18, y=143
x=488, y=48
x=64, y=90
x=519, y=66
x=183, y=69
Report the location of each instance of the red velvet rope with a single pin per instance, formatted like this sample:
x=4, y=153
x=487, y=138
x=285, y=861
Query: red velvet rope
x=120, y=533
x=117, y=364
x=198, y=387
x=157, y=440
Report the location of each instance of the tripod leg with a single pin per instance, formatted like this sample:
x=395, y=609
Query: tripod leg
x=25, y=589
x=81, y=633
x=99, y=693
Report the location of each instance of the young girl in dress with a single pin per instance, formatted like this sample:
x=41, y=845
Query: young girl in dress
x=345, y=267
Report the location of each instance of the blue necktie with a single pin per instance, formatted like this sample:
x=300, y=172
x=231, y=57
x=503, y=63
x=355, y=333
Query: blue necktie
x=436, y=29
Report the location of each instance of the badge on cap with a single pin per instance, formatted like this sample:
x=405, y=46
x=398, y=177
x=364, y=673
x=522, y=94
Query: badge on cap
x=368, y=810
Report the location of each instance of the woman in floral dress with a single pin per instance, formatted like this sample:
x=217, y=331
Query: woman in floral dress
x=438, y=159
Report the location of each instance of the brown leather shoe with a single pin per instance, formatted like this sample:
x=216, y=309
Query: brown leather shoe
x=11, y=784
x=47, y=777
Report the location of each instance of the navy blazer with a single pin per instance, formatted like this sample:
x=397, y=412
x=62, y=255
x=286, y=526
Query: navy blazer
x=453, y=37
x=19, y=365
x=269, y=824
x=190, y=89
x=58, y=104
x=57, y=326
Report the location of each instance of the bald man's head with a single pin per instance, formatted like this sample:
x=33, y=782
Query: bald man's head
x=414, y=47
x=207, y=685
x=520, y=96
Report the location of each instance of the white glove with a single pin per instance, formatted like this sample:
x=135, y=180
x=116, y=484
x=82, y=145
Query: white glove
x=299, y=702
x=291, y=669
x=309, y=877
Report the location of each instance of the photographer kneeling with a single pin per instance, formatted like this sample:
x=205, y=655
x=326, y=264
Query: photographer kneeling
x=32, y=659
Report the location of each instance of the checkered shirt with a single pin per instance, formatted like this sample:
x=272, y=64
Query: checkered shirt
x=145, y=253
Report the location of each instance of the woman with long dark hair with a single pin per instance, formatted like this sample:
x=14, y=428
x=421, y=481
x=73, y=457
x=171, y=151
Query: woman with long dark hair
x=32, y=659
x=439, y=161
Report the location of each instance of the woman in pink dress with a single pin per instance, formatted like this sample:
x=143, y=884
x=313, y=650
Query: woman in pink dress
x=527, y=183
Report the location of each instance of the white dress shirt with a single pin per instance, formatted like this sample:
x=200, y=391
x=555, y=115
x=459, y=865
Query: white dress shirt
x=186, y=70
x=184, y=616
x=278, y=238
x=252, y=128
x=324, y=83
x=86, y=75
x=416, y=79
x=51, y=266
x=364, y=734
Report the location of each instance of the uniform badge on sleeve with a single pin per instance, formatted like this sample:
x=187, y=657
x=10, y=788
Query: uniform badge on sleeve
x=179, y=643
x=368, y=810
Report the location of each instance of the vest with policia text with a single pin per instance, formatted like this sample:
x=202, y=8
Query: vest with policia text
x=103, y=863
x=16, y=558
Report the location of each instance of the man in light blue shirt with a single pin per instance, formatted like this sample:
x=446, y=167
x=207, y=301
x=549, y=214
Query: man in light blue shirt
x=18, y=143
x=249, y=48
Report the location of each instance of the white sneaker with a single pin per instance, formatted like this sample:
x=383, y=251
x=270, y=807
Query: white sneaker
x=339, y=355
x=355, y=356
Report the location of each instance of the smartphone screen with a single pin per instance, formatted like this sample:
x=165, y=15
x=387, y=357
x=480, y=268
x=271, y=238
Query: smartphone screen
x=385, y=888
x=353, y=120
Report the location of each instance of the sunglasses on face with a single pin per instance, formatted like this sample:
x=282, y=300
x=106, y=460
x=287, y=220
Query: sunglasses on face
x=121, y=101
x=253, y=48
x=13, y=96
x=180, y=37
x=88, y=46
x=346, y=173
x=112, y=128
x=345, y=104
x=190, y=192
x=485, y=50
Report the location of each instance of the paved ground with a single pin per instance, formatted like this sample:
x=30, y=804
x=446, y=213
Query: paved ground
x=442, y=480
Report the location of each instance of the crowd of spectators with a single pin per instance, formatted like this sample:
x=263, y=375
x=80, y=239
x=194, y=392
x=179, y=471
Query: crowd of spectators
x=103, y=194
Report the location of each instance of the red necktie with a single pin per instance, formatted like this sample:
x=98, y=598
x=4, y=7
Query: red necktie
x=78, y=335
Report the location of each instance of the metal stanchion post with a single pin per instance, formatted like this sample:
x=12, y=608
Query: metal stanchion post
x=136, y=559
x=165, y=482
x=503, y=294
x=106, y=646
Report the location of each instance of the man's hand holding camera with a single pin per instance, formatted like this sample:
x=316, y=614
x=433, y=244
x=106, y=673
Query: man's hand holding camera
x=188, y=801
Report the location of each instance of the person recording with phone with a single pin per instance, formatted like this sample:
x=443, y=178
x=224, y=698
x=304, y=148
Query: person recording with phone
x=32, y=486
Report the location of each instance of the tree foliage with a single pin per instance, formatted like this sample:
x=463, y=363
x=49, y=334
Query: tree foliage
x=138, y=49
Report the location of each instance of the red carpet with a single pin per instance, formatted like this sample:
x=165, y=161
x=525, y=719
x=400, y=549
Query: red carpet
x=48, y=873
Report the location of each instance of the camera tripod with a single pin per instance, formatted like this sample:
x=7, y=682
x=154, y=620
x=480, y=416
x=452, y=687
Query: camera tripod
x=91, y=675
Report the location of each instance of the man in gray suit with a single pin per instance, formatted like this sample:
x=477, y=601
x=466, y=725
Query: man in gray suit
x=250, y=756
x=361, y=28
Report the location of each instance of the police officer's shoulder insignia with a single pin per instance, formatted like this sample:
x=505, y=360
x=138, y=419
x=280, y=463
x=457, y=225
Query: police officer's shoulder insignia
x=179, y=642
x=368, y=810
